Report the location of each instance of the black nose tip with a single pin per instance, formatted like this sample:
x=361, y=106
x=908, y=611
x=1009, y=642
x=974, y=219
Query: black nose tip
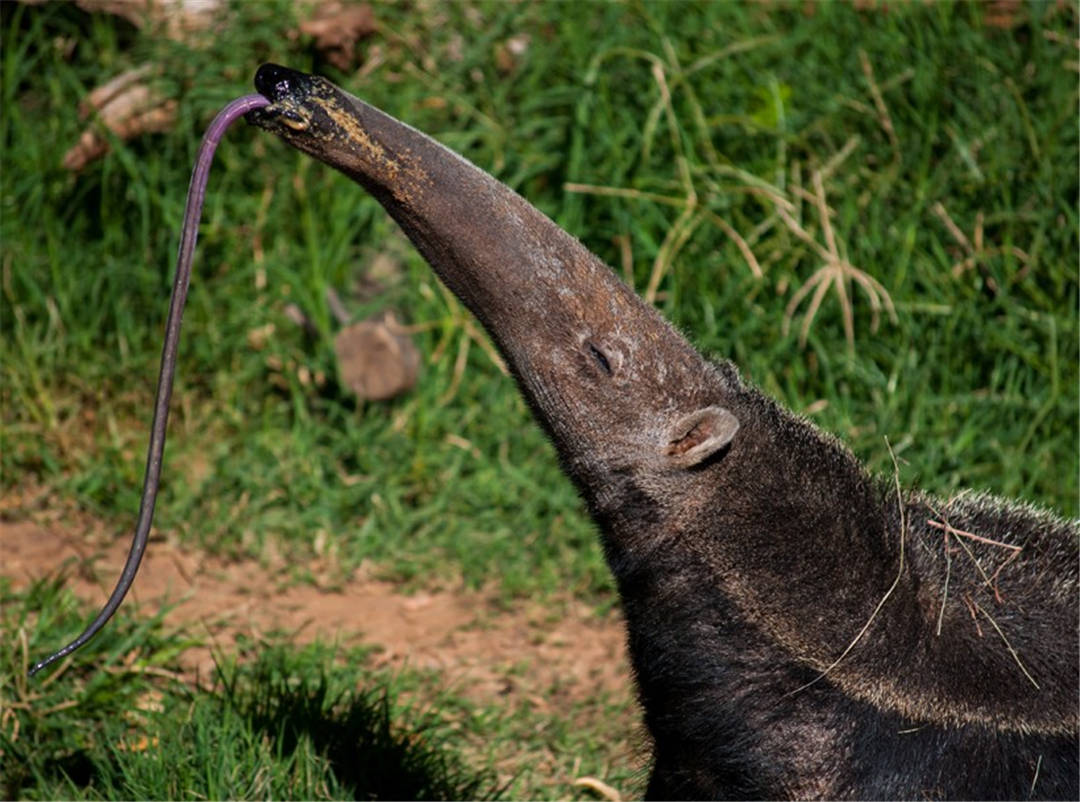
x=274, y=82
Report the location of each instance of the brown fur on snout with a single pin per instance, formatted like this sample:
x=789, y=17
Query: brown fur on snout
x=797, y=627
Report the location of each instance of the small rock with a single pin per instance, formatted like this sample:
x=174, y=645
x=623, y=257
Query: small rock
x=376, y=359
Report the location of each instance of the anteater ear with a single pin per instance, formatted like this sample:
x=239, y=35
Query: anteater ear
x=697, y=436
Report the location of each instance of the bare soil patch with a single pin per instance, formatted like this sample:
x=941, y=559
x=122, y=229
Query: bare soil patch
x=481, y=649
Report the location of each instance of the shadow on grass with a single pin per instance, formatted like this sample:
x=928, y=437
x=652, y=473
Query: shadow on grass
x=353, y=730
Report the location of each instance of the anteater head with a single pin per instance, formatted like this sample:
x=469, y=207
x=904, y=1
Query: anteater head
x=627, y=401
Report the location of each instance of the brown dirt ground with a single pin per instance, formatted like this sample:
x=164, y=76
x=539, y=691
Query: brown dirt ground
x=481, y=649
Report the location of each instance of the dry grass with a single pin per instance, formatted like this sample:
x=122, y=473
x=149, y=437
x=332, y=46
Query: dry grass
x=989, y=581
x=836, y=272
x=693, y=202
x=976, y=250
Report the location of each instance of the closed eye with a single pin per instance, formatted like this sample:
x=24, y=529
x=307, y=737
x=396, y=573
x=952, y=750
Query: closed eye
x=294, y=120
x=598, y=355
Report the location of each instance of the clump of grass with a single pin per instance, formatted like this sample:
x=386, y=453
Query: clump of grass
x=836, y=272
x=123, y=723
x=57, y=727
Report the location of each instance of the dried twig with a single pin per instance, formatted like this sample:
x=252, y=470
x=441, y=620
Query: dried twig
x=743, y=246
x=990, y=581
x=459, y=369
x=954, y=531
x=945, y=589
x=839, y=158
x=879, y=103
x=974, y=615
x=1008, y=645
x=623, y=192
x=1035, y=779
x=626, y=257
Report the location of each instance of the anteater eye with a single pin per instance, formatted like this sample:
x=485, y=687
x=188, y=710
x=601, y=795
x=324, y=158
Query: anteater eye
x=294, y=120
x=598, y=355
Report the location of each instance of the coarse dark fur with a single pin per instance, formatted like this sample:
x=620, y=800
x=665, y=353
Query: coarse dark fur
x=797, y=627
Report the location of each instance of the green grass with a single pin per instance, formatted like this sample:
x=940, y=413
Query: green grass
x=975, y=384
x=281, y=724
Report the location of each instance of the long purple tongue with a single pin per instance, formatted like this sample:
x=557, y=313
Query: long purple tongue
x=189, y=233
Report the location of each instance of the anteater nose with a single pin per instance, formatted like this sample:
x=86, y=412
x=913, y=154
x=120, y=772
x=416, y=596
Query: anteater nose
x=274, y=82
